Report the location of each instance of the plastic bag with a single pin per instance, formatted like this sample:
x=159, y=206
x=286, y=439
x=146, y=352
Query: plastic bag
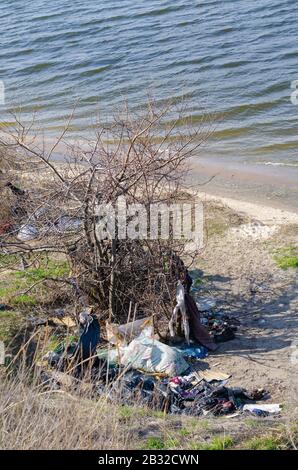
x=27, y=233
x=121, y=335
x=269, y=408
x=150, y=355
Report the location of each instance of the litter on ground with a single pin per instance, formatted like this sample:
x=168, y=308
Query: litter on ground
x=133, y=366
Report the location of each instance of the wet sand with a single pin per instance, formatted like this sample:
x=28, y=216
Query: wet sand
x=273, y=186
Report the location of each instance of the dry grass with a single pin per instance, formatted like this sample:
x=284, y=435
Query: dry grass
x=34, y=418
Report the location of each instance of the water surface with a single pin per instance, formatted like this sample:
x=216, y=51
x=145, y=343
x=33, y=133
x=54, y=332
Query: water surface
x=233, y=58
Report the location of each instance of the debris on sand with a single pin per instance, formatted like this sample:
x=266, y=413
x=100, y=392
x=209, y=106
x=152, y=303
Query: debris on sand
x=140, y=368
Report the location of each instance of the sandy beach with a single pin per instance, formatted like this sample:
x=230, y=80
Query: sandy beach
x=263, y=213
x=239, y=271
x=263, y=185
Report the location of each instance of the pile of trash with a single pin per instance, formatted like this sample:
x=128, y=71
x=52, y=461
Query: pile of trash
x=134, y=367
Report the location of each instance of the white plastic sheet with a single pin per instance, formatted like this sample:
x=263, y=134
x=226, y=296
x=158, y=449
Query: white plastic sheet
x=150, y=355
x=270, y=408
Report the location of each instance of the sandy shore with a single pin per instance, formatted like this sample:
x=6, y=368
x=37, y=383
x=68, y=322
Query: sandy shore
x=267, y=195
x=259, y=212
x=239, y=272
x=269, y=186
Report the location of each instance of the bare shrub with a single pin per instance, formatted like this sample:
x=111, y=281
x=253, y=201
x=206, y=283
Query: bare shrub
x=139, y=156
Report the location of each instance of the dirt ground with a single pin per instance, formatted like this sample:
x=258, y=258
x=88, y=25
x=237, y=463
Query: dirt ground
x=238, y=269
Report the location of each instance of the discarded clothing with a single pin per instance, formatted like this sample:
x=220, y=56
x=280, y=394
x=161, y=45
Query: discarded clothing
x=181, y=394
x=135, y=387
x=200, y=397
x=222, y=331
x=221, y=326
x=89, y=336
x=198, y=332
x=180, y=307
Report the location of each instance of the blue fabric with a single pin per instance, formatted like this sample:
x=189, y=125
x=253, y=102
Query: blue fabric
x=90, y=335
